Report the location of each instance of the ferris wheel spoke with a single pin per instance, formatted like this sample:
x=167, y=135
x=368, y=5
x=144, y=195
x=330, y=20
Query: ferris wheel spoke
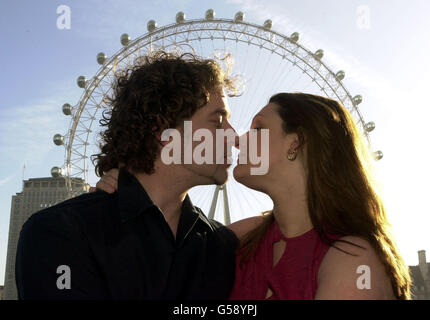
x=286, y=70
x=274, y=77
x=206, y=198
x=248, y=101
x=250, y=210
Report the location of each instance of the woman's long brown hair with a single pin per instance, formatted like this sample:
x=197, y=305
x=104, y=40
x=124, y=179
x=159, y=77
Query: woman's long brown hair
x=342, y=196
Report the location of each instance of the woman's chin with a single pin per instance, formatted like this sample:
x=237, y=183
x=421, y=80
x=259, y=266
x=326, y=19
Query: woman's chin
x=242, y=175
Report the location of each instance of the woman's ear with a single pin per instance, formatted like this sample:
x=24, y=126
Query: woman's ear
x=292, y=142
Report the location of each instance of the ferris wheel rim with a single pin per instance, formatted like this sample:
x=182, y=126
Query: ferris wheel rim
x=153, y=36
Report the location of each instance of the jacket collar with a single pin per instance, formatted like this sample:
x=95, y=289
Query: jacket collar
x=132, y=197
x=133, y=200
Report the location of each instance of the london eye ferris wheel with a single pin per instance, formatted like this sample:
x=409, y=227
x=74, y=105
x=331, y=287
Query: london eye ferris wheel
x=268, y=61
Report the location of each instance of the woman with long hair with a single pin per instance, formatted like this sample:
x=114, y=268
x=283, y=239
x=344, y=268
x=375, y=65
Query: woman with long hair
x=327, y=236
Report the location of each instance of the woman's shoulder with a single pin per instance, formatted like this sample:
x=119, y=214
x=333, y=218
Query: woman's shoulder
x=350, y=249
x=352, y=263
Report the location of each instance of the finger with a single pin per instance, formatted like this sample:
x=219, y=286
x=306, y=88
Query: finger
x=102, y=185
x=114, y=173
x=93, y=189
x=110, y=181
x=105, y=187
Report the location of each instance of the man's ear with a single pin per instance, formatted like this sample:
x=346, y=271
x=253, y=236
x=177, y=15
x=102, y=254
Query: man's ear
x=158, y=130
x=158, y=137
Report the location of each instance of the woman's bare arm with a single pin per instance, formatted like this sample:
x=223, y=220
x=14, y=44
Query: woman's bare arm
x=108, y=182
x=345, y=277
x=242, y=227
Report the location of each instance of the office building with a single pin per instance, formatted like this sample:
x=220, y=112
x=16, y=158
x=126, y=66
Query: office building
x=421, y=278
x=37, y=194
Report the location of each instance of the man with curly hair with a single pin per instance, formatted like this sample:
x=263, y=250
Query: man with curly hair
x=146, y=240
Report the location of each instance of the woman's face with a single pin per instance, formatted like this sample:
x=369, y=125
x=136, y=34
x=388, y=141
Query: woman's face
x=279, y=143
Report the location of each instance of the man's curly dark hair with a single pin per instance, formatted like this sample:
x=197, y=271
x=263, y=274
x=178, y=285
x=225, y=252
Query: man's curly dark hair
x=158, y=92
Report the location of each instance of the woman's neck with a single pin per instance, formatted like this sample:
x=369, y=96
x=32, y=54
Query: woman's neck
x=291, y=213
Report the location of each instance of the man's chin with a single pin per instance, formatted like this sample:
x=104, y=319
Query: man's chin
x=218, y=179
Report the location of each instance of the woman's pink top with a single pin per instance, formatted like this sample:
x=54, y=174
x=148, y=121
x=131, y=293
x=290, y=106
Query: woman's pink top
x=294, y=277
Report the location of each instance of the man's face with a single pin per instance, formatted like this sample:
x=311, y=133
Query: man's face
x=214, y=115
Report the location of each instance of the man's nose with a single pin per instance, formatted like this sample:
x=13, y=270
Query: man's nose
x=236, y=136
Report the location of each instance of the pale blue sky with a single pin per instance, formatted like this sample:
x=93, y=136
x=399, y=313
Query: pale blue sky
x=388, y=64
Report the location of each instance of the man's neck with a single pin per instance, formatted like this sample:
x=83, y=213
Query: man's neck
x=167, y=192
